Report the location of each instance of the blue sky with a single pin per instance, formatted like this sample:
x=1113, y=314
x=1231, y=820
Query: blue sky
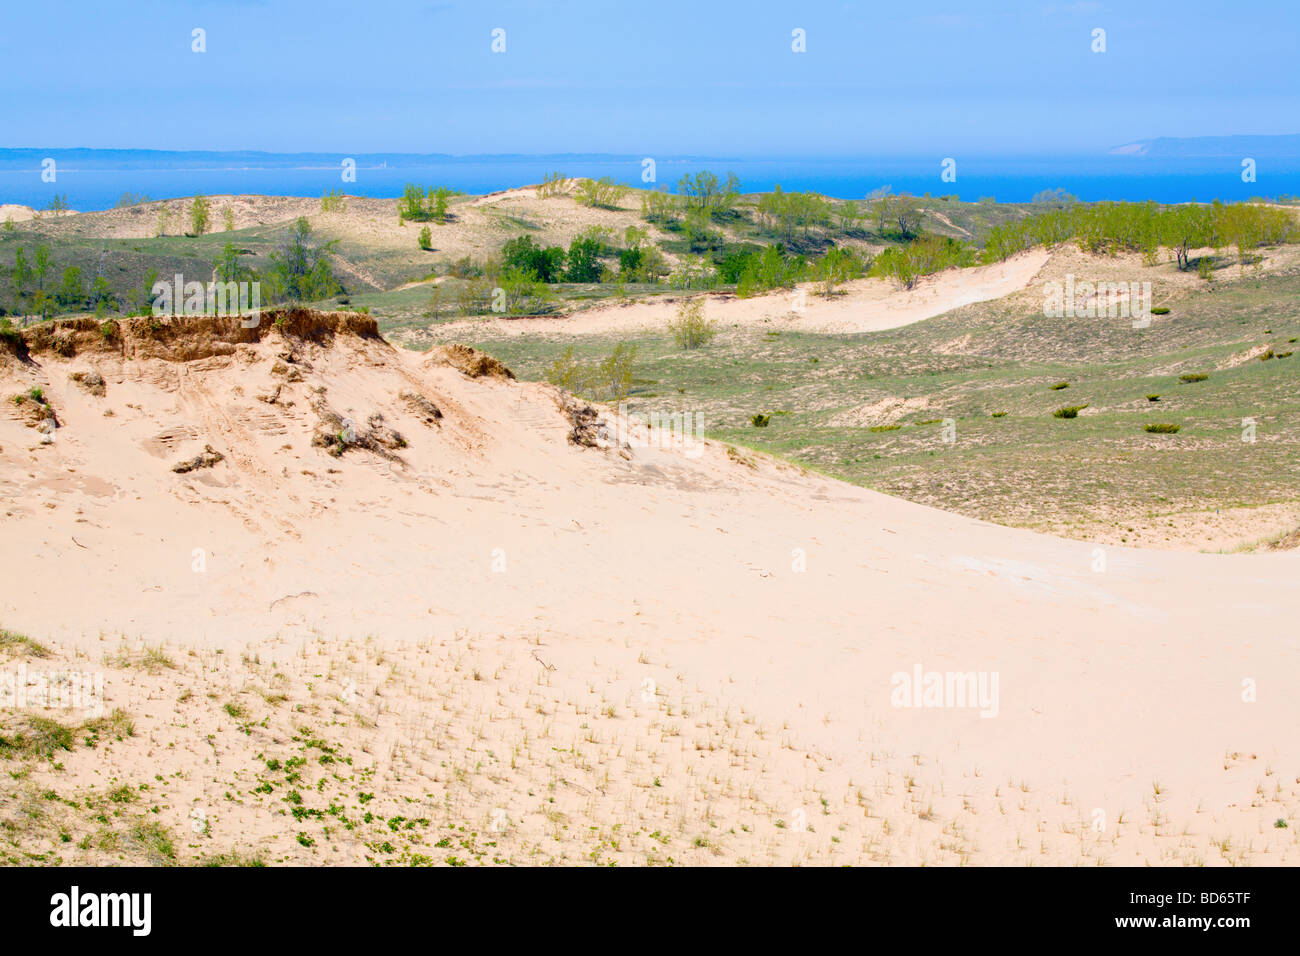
x=657, y=77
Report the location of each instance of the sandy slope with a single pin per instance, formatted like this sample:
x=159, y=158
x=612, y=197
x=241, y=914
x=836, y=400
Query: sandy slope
x=15, y=212
x=1120, y=690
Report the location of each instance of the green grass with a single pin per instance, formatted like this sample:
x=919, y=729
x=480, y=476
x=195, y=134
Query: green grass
x=995, y=390
x=15, y=643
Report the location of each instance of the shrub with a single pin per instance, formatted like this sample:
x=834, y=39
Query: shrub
x=1193, y=377
x=691, y=329
x=426, y=239
x=332, y=201
x=1113, y=227
x=760, y=420
x=1159, y=310
x=885, y=428
x=1058, y=386
x=1069, y=411
x=199, y=215
x=420, y=205
x=928, y=254
x=607, y=380
x=1153, y=397
x=836, y=266
x=552, y=185
x=1266, y=355
x=999, y=415
x=601, y=193
x=770, y=269
x=543, y=265
x=1162, y=428
x=659, y=207
x=9, y=334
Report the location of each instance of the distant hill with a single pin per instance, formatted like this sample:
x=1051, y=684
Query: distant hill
x=1208, y=146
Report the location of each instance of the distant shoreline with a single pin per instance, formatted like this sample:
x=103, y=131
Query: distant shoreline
x=95, y=179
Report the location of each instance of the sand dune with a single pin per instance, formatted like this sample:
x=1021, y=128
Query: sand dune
x=769, y=608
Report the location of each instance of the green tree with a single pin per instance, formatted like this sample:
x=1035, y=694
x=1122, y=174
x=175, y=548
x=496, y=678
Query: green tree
x=41, y=269
x=101, y=296
x=228, y=267
x=72, y=290
x=542, y=264
x=199, y=211
x=583, y=264
x=411, y=205
x=300, y=269
x=439, y=196
x=704, y=191
x=22, y=274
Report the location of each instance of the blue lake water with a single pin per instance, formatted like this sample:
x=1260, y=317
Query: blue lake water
x=95, y=180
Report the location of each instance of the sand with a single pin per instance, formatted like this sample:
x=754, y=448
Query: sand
x=499, y=596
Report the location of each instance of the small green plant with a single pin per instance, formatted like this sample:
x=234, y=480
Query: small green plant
x=21, y=644
x=1193, y=377
x=332, y=201
x=760, y=420
x=1058, y=386
x=426, y=239
x=122, y=794
x=1153, y=397
x=690, y=329
x=1162, y=428
x=999, y=415
x=1069, y=411
x=1160, y=310
x=41, y=738
x=1266, y=355
x=885, y=428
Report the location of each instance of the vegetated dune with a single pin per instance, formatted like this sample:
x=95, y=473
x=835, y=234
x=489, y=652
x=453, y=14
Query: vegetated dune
x=862, y=305
x=472, y=609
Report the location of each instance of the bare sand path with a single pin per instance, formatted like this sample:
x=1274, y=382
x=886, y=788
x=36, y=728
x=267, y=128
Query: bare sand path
x=867, y=305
